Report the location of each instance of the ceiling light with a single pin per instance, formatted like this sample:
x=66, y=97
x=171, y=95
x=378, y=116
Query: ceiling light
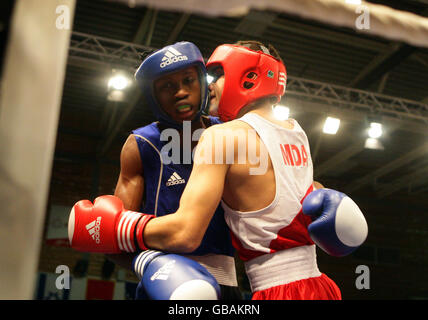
x=118, y=82
x=331, y=125
x=281, y=112
x=375, y=130
x=374, y=144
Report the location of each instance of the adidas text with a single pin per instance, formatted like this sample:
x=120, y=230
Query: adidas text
x=172, y=60
x=172, y=183
x=163, y=272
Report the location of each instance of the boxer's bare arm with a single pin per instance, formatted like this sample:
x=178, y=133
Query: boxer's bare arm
x=130, y=185
x=184, y=230
x=129, y=188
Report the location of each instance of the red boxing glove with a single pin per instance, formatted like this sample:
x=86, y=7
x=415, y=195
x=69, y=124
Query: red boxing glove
x=106, y=226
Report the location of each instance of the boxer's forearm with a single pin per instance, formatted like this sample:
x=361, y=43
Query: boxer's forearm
x=184, y=230
x=170, y=233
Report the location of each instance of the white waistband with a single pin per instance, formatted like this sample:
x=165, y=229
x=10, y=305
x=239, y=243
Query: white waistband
x=222, y=267
x=282, y=267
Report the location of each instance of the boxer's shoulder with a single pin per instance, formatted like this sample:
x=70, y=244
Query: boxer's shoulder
x=231, y=136
x=130, y=144
x=234, y=125
x=150, y=131
x=233, y=130
x=149, y=137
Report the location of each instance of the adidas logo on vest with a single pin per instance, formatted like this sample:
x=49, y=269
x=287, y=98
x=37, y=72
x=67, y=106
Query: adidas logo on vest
x=94, y=229
x=175, y=179
x=171, y=56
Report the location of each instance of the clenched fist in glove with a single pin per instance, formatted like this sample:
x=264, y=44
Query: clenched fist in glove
x=338, y=226
x=106, y=226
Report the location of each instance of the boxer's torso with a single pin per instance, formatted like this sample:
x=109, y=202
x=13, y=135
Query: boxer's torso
x=264, y=210
x=164, y=184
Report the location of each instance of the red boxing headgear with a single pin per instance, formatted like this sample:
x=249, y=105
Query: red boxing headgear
x=249, y=75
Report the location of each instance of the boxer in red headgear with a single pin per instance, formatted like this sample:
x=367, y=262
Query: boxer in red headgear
x=260, y=168
x=251, y=75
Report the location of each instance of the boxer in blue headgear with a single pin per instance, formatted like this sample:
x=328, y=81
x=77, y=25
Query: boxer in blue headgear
x=173, y=82
x=169, y=60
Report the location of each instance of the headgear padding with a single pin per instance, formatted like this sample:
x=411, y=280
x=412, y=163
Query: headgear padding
x=168, y=60
x=248, y=76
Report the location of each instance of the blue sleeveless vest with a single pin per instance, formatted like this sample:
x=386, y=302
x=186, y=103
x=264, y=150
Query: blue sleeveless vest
x=164, y=185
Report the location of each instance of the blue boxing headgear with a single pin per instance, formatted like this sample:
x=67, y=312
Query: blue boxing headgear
x=167, y=60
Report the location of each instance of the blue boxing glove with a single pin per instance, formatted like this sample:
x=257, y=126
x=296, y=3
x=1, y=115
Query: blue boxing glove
x=338, y=226
x=173, y=277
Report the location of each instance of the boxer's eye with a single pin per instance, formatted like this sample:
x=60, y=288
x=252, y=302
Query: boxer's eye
x=189, y=80
x=167, y=86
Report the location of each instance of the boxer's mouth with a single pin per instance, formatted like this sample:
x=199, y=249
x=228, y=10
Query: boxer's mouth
x=184, y=108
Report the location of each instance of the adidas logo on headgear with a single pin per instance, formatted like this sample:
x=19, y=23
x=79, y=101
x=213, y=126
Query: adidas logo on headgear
x=94, y=229
x=171, y=56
